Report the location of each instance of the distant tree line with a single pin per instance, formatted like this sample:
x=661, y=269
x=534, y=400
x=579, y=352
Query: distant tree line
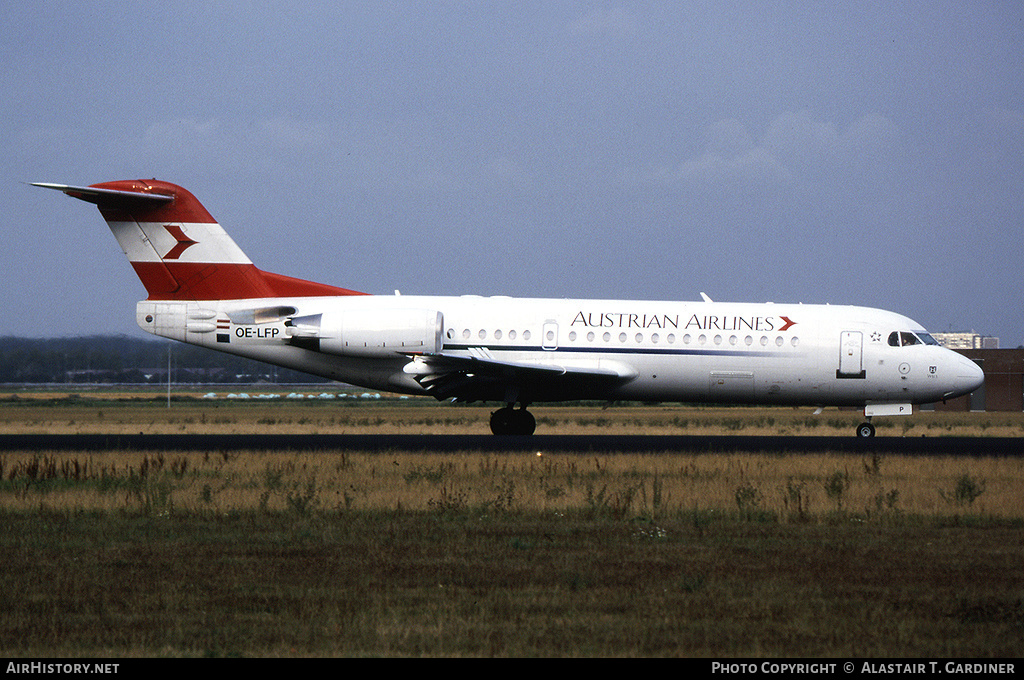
x=121, y=359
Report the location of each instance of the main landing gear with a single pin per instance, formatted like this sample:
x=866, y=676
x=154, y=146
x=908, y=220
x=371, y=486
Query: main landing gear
x=865, y=430
x=509, y=420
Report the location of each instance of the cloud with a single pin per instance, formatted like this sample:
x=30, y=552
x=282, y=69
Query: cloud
x=615, y=22
x=801, y=142
x=180, y=137
x=795, y=150
x=1007, y=121
x=1001, y=139
x=728, y=138
x=754, y=168
x=294, y=135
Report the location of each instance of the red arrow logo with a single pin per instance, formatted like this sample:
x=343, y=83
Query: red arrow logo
x=183, y=242
x=789, y=322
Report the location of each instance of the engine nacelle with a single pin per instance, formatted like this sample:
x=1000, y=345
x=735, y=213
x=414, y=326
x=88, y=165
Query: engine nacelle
x=370, y=332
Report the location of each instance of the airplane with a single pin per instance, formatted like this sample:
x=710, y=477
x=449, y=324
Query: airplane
x=203, y=290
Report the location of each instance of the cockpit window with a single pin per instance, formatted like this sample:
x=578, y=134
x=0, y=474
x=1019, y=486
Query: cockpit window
x=905, y=338
x=908, y=339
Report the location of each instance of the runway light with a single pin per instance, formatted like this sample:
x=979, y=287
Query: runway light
x=539, y=454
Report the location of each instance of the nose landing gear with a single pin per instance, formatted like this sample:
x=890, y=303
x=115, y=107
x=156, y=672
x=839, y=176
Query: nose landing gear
x=509, y=421
x=884, y=409
x=865, y=430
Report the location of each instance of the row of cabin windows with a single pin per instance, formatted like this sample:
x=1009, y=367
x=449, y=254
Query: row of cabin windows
x=498, y=335
x=655, y=338
x=702, y=339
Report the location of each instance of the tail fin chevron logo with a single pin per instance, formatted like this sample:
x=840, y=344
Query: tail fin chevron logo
x=183, y=242
x=789, y=322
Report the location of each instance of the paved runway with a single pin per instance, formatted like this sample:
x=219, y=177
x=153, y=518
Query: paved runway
x=604, y=444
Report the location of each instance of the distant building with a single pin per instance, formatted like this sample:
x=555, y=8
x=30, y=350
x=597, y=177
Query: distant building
x=966, y=340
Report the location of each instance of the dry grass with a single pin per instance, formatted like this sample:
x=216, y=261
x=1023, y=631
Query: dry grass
x=783, y=487
x=472, y=554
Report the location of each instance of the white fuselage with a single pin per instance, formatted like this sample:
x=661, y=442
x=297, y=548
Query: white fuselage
x=660, y=351
x=204, y=290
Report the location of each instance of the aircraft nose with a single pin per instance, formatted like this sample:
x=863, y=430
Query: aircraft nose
x=969, y=376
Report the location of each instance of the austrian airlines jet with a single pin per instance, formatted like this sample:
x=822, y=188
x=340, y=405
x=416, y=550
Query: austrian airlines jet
x=203, y=290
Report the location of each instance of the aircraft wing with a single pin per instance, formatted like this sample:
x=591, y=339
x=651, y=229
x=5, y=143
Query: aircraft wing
x=483, y=377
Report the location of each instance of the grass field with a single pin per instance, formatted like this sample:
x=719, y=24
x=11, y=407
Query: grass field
x=408, y=553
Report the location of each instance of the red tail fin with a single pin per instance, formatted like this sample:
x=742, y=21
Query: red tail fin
x=179, y=251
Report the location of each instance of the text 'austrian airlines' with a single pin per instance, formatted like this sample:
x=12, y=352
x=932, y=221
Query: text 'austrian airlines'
x=203, y=290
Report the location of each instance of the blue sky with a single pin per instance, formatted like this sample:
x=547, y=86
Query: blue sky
x=863, y=153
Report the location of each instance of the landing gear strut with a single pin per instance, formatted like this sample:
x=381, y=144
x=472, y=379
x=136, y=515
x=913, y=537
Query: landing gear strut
x=508, y=420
